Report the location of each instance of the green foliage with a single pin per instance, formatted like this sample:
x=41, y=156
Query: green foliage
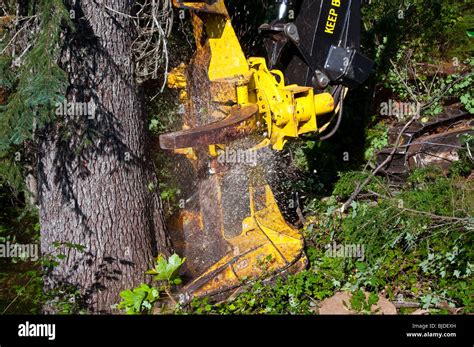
x=434, y=31
x=464, y=88
x=377, y=138
x=360, y=303
x=7, y=77
x=163, y=112
x=35, y=87
x=440, y=263
x=138, y=300
x=428, y=86
x=418, y=238
x=429, y=300
x=11, y=172
x=169, y=190
x=349, y=180
x=299, y=154
x=40, y=82
x=141, y=299
x=167, y=270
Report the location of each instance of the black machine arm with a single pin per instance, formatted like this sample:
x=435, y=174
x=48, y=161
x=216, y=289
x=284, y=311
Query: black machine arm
x=326, y=36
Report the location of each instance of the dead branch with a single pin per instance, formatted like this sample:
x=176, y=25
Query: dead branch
x=153, y=22
x=435, y=216
x=408, y=88
x=21, y=30
x=382, y=165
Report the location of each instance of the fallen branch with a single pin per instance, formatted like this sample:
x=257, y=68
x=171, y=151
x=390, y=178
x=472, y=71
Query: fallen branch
x=435, y=216
x=382, y=165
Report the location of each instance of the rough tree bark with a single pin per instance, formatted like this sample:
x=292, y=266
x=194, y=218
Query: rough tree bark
x=96, y=182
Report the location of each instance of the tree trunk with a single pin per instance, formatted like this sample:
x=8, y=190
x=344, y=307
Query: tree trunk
x=96, y=183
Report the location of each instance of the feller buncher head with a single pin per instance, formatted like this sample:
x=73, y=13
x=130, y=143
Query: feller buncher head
x=231, y=229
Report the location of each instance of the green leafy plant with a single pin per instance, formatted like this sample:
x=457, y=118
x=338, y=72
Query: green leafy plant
x=138, y=300
x=167, y=270
x=141, y=299
x=377, y=138
x=362, y=303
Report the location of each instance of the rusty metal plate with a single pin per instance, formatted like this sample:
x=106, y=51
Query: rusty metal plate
x=233, y=127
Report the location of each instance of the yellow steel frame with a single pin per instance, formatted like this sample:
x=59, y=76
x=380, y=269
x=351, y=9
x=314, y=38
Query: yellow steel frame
x=288, y=111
